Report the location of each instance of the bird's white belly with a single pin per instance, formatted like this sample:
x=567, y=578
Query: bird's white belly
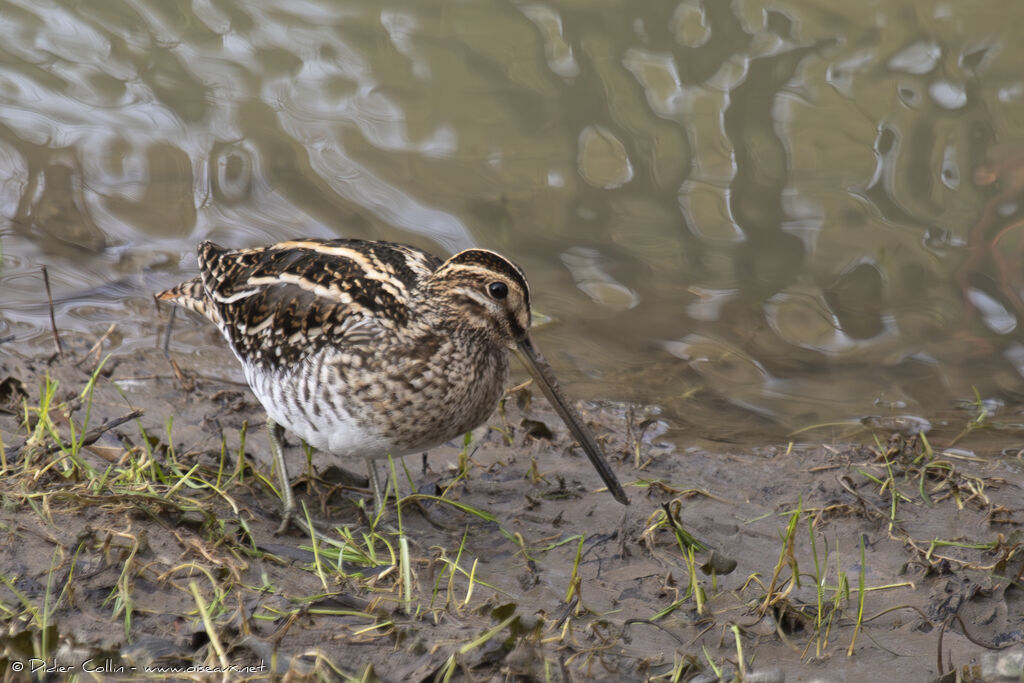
x=334, y=430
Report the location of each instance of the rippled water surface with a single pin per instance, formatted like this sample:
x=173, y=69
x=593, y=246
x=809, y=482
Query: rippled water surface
x=772, y=212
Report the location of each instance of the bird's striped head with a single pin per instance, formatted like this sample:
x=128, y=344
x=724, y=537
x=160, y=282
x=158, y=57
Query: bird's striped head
x=485, y=291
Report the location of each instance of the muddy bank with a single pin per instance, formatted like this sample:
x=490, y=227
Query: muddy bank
x=150, y=543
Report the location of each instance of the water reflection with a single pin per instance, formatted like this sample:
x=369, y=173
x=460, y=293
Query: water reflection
x=801, y=211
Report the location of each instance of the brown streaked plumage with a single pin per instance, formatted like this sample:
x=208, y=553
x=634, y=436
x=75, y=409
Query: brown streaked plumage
x=368, y=349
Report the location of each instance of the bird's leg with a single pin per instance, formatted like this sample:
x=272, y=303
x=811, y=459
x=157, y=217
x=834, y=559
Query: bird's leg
x=378, y=496
x=276, y=432
x=167, y=333
x=425, y=467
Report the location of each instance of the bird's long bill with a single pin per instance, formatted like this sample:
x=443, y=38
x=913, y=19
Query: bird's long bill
x=545, y=378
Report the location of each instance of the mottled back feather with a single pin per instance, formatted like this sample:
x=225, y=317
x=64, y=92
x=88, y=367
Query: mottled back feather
x=278, y=304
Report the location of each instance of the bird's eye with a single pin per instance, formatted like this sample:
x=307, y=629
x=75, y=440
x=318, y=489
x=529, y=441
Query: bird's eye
x=497, y=290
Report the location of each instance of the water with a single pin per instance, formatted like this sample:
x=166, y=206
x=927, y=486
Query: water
x=756, y=215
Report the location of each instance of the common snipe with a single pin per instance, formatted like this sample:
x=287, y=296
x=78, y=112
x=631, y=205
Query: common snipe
x=365, y=349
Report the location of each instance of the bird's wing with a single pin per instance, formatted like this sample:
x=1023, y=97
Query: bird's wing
x=281, y=303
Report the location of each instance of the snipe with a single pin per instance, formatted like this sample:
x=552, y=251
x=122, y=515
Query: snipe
x=367, y=349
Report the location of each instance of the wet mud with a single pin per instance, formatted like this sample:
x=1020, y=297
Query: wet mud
x=153, y=544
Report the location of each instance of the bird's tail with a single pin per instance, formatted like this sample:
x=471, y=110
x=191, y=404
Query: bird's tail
x=192, y=296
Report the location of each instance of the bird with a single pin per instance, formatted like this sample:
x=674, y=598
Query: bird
x=367, y=348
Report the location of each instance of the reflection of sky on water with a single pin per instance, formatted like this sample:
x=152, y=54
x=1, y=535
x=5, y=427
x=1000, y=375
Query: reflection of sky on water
x=826, y=192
